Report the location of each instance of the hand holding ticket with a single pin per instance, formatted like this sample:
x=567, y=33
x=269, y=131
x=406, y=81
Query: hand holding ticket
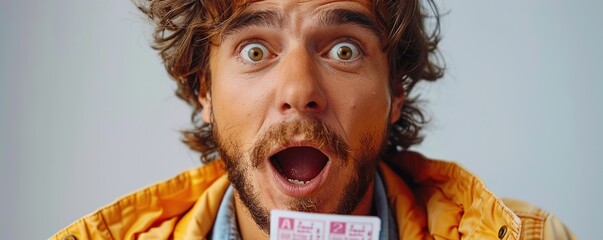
x=299, y=225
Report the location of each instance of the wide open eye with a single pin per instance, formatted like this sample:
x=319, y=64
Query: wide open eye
x=254, y=52
x=344, y=51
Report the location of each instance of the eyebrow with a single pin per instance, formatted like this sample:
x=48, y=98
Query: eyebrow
x=266, y=18
x=344, y=16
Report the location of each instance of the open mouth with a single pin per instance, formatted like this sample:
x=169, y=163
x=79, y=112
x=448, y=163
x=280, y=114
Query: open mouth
x=299, y=165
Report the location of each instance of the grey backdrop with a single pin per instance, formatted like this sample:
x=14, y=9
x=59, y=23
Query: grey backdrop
x=88, y=113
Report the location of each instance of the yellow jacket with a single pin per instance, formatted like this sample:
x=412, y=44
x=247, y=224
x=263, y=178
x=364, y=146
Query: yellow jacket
x=430, y=199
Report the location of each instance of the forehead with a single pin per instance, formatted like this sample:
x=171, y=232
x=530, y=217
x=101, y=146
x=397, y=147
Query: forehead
x=307, y=6
x=366, y=3
x=295, y=14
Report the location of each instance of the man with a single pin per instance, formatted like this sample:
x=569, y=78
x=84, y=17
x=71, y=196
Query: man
x=304, y=106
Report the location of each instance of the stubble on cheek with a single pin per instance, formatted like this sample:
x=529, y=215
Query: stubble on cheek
x=239, y=174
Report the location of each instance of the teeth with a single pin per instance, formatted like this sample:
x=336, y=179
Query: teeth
x=295, y=181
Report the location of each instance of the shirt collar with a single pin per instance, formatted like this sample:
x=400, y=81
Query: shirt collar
x=225, y=226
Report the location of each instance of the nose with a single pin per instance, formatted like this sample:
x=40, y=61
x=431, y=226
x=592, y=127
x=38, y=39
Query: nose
x=299, y=87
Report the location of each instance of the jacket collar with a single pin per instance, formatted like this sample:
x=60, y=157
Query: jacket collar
x=440, y=199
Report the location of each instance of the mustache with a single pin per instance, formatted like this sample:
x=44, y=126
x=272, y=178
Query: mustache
x=312, y=131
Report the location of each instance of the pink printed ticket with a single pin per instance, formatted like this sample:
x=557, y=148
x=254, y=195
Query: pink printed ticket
x=288, y=225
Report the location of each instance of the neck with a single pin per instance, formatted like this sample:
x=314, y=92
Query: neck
x=365, y=206
x=248, y=229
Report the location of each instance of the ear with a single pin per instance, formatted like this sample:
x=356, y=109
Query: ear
x=398, y=99
x=205, y=101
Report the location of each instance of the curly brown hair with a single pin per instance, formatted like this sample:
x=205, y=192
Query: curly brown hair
x=185, y=30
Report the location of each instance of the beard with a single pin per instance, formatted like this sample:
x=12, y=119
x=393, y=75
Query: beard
x=364, y=161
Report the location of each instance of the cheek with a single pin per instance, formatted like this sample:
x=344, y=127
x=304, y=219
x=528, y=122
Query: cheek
x=363, y=113
x=364, y=110
x=238, y=105
x=371, y=115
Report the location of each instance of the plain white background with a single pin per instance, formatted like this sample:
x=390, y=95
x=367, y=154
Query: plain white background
x=88, y=113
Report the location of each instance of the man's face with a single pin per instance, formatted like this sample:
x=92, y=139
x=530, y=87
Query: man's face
x=300, y=103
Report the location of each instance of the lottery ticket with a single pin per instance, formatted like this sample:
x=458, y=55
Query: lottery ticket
x=288, y=225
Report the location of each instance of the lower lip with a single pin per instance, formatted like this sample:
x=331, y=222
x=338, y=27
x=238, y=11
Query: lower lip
x=300, y=190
